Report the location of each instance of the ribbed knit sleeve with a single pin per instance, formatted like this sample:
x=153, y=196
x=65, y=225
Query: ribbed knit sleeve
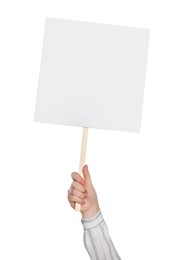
x=97, y=239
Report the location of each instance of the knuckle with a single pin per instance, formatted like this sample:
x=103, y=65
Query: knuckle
x=73, y=191
x=73, y=184
x=74, y=197
x=73, y=174
x=69, y=199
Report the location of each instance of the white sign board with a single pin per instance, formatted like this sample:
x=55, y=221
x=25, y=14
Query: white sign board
x=92, y=75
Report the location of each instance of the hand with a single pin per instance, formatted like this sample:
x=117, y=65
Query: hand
x=83, y=192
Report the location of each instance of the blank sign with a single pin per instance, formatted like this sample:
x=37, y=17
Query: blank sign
x=92, y=75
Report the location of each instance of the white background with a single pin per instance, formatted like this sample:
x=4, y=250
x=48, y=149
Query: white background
x=141, y=179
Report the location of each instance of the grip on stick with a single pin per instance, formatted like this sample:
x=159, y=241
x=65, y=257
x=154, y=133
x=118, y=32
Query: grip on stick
x=82, y=158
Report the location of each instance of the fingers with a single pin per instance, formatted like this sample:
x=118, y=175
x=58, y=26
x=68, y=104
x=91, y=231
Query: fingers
x=75, y=196
x=76, y=185
x=77, y=192
x=72, y=204
x=76, y=177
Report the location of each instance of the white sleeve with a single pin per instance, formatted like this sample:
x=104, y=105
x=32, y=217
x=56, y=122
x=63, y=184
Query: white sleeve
x=97, y=240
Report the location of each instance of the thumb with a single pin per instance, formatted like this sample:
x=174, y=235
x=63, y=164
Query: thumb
x=87, y=176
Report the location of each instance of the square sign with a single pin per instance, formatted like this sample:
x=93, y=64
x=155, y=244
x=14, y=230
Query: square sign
x=92, y=75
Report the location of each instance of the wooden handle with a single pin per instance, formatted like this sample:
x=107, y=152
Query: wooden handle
x=82, y=158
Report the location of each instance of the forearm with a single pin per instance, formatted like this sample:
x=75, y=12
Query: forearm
x=97, y=239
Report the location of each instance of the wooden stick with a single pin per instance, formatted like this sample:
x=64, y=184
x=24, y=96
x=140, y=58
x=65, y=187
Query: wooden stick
x=82, y=158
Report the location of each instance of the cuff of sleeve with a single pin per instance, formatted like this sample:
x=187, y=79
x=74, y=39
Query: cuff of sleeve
x=92, y=222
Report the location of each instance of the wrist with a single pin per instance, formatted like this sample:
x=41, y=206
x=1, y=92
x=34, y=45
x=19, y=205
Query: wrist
x=91, y=212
